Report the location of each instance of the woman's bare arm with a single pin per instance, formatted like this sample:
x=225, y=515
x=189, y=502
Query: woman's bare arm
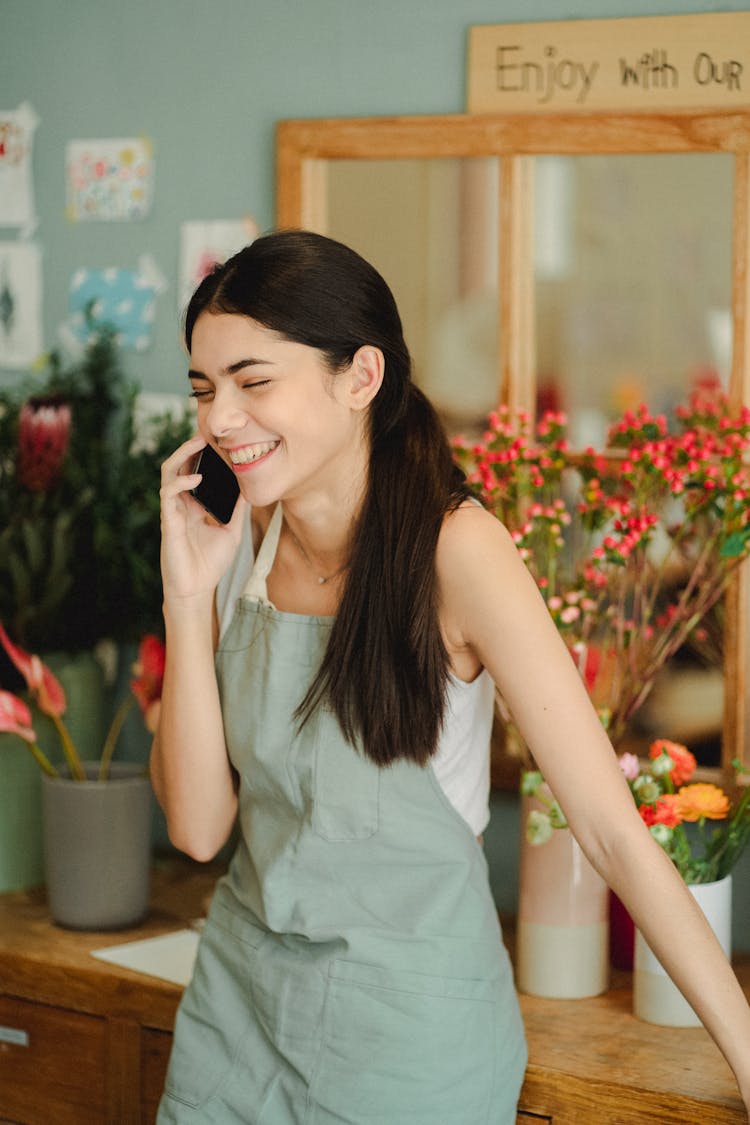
x=190, y=769
x=492, y=603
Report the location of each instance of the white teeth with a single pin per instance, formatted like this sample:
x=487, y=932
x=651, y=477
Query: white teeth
x=251, y=452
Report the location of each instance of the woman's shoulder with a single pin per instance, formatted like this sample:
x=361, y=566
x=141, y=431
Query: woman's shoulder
x=470, y=534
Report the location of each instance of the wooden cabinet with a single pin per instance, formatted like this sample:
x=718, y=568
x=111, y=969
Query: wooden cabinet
x=84, y=1042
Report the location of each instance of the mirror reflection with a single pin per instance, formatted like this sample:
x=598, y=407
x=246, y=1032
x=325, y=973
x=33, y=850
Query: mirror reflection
x=431, y=228
x=632, y=294
x=633, y=277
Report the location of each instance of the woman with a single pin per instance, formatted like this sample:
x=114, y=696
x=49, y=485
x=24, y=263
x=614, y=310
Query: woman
x=331, y=660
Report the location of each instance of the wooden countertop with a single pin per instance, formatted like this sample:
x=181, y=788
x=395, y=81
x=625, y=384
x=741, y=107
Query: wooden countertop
x=44, y=962
x=592, y=1055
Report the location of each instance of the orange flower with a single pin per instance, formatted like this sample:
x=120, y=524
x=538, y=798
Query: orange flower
x=684, y=762
x=666, y=811
x=701, y=800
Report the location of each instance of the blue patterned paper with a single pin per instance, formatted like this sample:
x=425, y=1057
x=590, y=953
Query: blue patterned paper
x=123, y=298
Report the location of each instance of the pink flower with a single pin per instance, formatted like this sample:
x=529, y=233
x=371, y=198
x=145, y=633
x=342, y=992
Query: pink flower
x=46, y=688
x=15, y=717
x=43, y=438
x=629, y=765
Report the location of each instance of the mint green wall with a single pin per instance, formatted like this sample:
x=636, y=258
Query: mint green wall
x=206, y=82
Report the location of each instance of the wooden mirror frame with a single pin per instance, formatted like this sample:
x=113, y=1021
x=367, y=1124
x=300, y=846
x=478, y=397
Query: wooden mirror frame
x=303, y=148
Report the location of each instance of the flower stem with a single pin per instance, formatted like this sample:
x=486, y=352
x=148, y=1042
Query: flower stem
x=42, y=759
x=71, y=754
x=114, y=733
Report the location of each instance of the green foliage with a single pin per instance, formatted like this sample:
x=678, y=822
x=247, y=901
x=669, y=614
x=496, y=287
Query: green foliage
x=80, y=560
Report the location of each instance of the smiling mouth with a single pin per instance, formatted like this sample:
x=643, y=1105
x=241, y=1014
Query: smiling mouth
x=250, y=453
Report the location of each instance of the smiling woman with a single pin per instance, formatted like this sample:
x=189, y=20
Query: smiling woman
x=332, y=657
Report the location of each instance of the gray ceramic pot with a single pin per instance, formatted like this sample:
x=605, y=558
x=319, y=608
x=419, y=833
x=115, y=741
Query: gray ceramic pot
x=97, y=847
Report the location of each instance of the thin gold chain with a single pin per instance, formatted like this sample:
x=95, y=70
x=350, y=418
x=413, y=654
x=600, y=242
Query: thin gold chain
x=321, y=581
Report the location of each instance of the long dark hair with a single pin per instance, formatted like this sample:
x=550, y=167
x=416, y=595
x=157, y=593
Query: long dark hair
x=385, y=669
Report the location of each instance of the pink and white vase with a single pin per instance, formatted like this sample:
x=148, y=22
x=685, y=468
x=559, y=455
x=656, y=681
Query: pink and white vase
x=562, y=937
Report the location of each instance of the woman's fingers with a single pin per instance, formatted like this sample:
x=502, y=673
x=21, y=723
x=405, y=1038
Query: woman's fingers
x=176, y=471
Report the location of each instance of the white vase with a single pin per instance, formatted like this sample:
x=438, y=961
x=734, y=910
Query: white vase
x=562, y=935
x=655, y=998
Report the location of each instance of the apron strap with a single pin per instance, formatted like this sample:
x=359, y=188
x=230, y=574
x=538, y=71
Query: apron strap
x=256, y=583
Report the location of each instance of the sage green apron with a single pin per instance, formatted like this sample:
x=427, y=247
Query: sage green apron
x=351, y=969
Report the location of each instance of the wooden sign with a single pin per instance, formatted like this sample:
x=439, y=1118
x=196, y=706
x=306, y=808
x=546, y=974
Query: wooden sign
x=654, y=63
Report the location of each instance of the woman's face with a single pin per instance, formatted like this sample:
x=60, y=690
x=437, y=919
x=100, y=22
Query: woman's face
x=272, y=410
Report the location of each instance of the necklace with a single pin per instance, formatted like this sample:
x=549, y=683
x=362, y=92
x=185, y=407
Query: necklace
x=308, y=561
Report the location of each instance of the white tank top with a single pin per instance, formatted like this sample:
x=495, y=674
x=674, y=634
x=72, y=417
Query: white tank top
x=461, y=762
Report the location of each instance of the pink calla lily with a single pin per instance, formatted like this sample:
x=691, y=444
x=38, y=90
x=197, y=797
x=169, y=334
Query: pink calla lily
x=15, y=717
x=47, y=689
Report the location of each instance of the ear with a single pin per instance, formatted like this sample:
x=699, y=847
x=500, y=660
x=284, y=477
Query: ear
x=365, y=376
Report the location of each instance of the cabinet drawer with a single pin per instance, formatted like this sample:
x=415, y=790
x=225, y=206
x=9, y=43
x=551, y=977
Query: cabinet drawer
x=155, y=1048
x=51, y=1065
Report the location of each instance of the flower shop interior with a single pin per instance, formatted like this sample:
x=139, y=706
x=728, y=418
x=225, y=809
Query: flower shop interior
x=581, y=264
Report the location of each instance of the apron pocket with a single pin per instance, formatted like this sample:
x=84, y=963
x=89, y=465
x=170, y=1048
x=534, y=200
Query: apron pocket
x=346, y=785
x=403, y=1046
x=213, y=1018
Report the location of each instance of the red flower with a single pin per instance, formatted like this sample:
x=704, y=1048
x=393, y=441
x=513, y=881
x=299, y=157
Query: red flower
x=684, y=762
x=666, y=811
x=15, y=717
x=43, y=437
x=149, y=678
x=46, y=688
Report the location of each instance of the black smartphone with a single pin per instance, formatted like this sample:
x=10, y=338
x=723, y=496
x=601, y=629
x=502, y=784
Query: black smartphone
x=218, y=491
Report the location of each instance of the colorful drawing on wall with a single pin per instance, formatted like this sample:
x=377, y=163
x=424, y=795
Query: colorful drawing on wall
x=110, y=180
x=20, y=304
x=17, y=128
x=204, y=245
x=123, y=298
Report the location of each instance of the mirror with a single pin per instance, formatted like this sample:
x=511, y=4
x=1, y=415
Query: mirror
x=438, y=250
x=583, y=262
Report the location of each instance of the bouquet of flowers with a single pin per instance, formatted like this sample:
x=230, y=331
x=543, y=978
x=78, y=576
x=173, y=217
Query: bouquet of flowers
x=47, y=694
x=79, y=503
x=631, y=550
x=693, y=821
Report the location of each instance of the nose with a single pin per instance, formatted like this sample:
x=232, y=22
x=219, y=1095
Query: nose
x=227, y=411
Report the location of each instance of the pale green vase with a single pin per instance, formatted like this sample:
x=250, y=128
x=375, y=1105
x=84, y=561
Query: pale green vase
x=21, y=852
x=21, y=849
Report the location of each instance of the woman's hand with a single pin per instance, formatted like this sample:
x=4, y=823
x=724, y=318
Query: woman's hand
x=195, y=550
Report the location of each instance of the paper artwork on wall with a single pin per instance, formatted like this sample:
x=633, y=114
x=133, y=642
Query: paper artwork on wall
x=122, y=298
x=17, y=127
x=20, y=304
x=204, y=245
x=110, y=180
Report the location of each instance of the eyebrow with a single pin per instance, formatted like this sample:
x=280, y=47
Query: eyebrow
x=233, y=368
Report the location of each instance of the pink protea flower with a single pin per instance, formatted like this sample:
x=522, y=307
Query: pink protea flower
x=43, y=438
